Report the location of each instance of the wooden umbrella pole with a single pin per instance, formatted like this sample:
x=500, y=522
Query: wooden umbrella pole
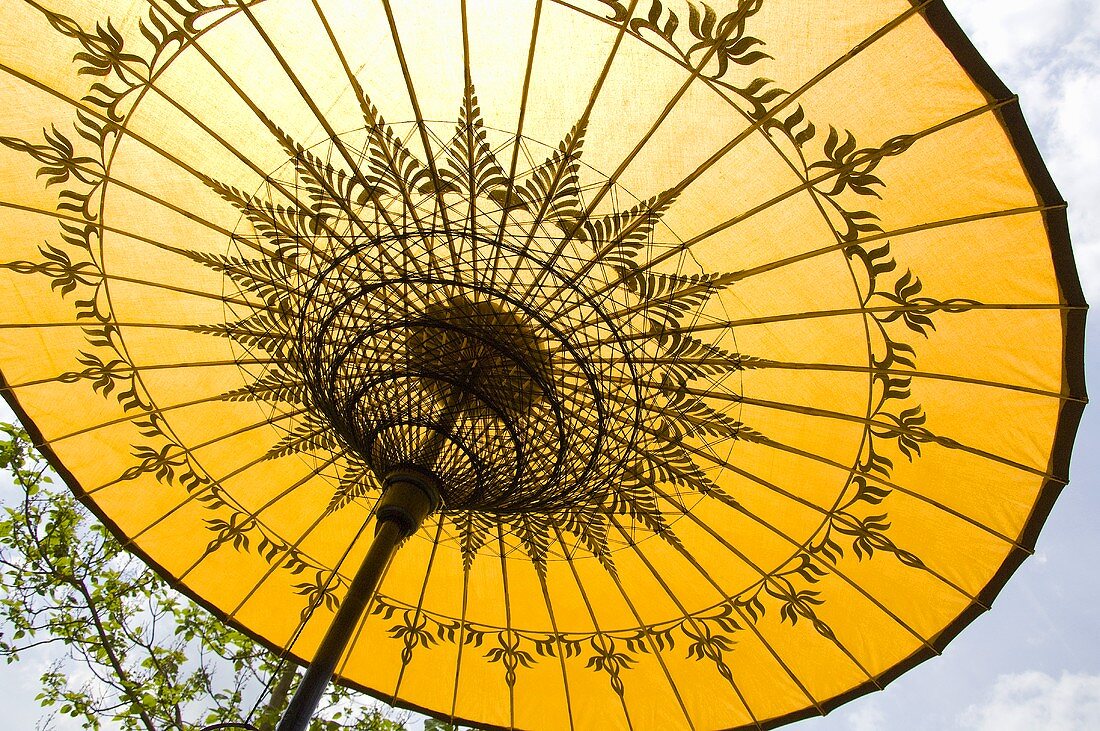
x=407, y=498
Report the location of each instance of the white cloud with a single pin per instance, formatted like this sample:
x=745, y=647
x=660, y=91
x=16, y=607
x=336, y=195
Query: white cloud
x=867, y=717
x=1034, y=700
x=1010, y=30
x=1074, y=156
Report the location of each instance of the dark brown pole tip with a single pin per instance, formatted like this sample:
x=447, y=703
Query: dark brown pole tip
x=408, y=496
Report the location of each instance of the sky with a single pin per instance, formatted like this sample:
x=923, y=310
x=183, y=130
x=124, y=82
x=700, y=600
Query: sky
x=1033, y=662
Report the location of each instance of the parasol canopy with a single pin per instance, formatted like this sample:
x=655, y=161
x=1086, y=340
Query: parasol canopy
x=741, y=341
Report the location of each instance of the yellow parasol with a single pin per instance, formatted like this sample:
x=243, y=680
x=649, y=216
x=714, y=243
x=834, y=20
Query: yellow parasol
x=718, y=362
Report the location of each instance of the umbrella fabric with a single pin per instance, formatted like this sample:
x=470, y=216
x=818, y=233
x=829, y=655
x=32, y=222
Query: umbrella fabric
x=744, y=338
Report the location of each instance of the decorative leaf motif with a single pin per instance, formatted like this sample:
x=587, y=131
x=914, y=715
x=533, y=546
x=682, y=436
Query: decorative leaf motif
x=106, y=376
x=533, y=532
x=168, y=463
x=508, y=653
x=916, y=310
x=591, y=528
x=710, y=638
x=313, y=434
x=553, y=188
x=319, y=592
x=413, y=633
x=636, y=499
x=664, y=26
x=275, y=385
x=105, y=55
x=849, y=167
x=706, y=645
x=392, y=169
x=285, y=228
x=356, y=480
x=266, y=330
x=688, y=415
x=668, y=298
x=233, y=531
x=870, y=535
x=473, y=528
x=907, y=428
x=60, y=163
x=474, y=168
x=194, y=11
x=58, y=266
x=269, y=278
x=687, y=358
x=726, y=36
x=606, y=659
x=798, y=603
x=618, y=238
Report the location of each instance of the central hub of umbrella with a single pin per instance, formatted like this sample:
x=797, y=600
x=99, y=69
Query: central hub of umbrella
x=507, y=346
x=457, y=380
